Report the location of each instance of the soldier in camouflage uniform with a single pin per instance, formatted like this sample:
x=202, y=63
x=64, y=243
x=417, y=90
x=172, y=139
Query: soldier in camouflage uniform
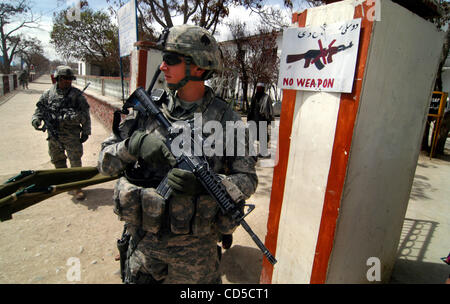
x=23, y=78
x=65, y=113
x=175, y=240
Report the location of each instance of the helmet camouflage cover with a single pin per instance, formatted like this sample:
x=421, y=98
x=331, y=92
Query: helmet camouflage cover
x=64, y=70
x=195, y=42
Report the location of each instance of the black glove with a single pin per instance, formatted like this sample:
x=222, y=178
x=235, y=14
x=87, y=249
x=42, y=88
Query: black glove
x=184, y=182
x=36, y=123
x=150, y=148
x=83, y=137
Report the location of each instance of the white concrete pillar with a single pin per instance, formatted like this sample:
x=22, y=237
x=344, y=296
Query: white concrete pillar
x=347, y=161
x=144, y=63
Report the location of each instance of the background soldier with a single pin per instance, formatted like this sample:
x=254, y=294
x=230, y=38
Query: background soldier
x=23, y=78
x=261, y=109
x=65, y=113
x=175, y=241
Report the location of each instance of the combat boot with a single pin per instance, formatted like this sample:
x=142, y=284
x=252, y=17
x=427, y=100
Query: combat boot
x=79, y=195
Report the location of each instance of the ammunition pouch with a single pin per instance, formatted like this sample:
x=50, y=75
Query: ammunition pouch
x=69, y=115
x=206, y=210
x=153, y=207
x=127, y=202
x=181, y=212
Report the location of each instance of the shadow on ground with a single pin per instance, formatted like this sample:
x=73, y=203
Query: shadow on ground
x=241, y=265
x=95, y=198
x=410, y=266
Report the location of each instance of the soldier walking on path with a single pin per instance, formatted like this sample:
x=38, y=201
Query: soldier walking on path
x=261, y=110
x=65, y=113
x=23, y=79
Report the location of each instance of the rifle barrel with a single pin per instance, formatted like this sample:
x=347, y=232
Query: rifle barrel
x=258, y=243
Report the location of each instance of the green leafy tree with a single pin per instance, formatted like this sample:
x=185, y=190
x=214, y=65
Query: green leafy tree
x=93, y=38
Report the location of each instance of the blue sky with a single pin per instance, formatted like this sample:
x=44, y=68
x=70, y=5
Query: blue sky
x=46, y=9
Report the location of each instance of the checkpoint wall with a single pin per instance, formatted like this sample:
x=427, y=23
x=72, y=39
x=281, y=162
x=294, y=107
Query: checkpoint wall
x=347, y=161
x=402, y=64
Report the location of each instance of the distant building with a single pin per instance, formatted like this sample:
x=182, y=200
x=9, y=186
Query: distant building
x=86, y=68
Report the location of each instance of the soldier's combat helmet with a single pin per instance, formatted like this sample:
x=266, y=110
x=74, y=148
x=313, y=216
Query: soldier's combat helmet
x=197, y=46
x=64, y=70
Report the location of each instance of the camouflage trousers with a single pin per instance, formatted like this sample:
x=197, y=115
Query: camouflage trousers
x=57, y=150
x=177, y=259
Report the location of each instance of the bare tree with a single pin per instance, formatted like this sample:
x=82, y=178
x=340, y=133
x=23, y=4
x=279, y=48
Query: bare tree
x=237, y=57
x=14, y=15
x=28, y=49
x=318, y=2
x=263, y=62
x=205, y=13
x=253, y=58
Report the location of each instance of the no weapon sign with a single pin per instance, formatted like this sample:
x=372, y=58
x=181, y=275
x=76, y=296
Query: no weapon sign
x=320, y=58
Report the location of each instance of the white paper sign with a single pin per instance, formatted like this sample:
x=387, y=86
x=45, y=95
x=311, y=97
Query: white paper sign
x=127, y=28
x=320, y=58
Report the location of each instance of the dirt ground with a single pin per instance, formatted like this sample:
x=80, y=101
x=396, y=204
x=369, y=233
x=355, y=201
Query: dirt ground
x=64, y=241
x=39, y=244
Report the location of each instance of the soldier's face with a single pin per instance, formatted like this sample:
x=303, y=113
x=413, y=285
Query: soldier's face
x=174, y=68
x=64, y=82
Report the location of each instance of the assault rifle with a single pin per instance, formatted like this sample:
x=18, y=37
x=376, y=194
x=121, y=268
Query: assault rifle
x=51, y=119
x=313, y=56
x=141, y=101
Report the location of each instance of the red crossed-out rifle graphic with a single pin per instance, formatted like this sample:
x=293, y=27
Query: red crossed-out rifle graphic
x=319, y=57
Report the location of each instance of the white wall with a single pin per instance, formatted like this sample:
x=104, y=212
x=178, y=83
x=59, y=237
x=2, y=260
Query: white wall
x=154, y=59
x=84, y=68
x=402, y=64
x=310, y=152
x=11, y=83
x=306, y=179
x=399, y=76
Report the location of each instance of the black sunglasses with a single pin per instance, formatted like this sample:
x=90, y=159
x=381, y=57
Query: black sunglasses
x=171, y=58
x=66, y=77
